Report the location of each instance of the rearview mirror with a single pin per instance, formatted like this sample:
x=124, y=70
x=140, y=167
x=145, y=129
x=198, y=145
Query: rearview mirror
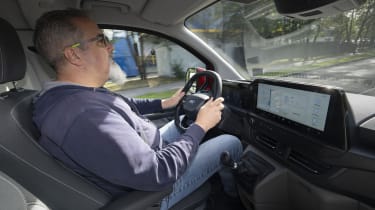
x=316, y=8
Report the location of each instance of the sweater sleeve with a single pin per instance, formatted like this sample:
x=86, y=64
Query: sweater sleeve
x=105, y=144
x=147, y=106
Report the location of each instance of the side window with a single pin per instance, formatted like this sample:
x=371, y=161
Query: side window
x=147, y=66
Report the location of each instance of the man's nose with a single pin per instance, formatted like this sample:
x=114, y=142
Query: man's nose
x=110, y=48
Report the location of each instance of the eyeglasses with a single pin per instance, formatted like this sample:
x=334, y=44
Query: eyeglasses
x=100, y=39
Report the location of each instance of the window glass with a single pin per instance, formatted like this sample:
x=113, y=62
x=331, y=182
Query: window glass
x=142, y=61
x=336, y=50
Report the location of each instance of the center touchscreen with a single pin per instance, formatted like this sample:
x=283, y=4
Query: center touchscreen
x=304, y=107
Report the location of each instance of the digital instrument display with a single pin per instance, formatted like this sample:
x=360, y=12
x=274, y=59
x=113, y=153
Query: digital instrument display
x=301, y=106
x=236, y=94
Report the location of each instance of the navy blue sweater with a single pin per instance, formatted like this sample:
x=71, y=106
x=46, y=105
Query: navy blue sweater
x=96, y=133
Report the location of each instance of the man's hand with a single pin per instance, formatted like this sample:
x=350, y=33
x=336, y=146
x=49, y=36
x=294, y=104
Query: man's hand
x=172, y=101
x=210, y=113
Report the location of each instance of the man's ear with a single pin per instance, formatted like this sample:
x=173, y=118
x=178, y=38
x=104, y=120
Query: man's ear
x=72, y=55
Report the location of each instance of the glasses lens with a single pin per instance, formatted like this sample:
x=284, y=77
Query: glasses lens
x=103, y=40
x=106, y=40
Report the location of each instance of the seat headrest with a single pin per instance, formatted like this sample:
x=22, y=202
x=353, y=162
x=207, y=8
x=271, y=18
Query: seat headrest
x=12, y=56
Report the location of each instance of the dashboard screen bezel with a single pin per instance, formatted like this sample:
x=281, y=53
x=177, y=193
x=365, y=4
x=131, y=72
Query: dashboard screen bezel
x=334, y=133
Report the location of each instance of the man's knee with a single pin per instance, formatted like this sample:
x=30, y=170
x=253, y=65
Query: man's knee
x=232, y=140
x=233, y=145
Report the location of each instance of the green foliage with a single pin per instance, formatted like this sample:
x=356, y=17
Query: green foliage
x=269, y=27
x=158, y=95
x=178, y=70
x=228, y=21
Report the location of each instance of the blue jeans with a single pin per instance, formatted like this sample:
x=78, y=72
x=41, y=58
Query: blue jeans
x=204, y=165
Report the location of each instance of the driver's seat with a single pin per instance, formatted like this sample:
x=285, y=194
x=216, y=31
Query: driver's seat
x=33, y=168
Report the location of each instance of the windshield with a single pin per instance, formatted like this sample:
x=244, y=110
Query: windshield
x=336, y=50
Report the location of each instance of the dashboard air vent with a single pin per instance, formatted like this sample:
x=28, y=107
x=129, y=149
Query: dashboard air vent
x=266, y=141
x=307, y=163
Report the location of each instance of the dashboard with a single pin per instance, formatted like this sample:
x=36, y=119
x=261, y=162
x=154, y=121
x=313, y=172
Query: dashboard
x=315, y=112
x=321, y=133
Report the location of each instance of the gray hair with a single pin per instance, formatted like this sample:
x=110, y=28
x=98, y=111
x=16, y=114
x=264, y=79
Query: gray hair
x=55, y=30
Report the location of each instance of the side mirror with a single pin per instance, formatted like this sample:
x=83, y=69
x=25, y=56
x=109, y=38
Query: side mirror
x=190, y=72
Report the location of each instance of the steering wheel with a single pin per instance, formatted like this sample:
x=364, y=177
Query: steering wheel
x=190, y=104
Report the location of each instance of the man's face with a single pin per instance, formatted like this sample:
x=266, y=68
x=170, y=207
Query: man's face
x=97, y=53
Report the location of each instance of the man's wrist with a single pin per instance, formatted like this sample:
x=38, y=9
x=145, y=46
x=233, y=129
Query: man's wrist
x=165, y=104
x=203, y=126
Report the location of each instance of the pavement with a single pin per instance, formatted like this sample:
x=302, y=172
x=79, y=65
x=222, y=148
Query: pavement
x=356, y=76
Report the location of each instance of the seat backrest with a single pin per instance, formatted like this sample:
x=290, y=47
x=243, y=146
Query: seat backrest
x=21, y=156
x=14, y=196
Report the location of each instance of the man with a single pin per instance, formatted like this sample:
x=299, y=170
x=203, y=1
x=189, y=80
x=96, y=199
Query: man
x=103, y=136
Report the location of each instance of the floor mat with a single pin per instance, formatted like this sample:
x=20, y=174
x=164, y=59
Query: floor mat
x=218, y=200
